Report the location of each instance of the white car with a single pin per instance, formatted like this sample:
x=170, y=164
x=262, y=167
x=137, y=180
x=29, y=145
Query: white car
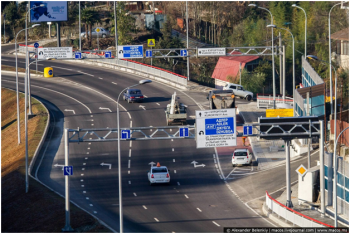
x=239, y=91
x=158, y=174
x=241, y=156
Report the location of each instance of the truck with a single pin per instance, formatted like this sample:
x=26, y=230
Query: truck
x=176, y=112
x=221, y=99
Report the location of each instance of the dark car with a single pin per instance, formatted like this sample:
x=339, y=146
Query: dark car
x=133, y=95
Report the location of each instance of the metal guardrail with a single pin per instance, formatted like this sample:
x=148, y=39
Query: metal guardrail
x=267, y=101
x=291, y=215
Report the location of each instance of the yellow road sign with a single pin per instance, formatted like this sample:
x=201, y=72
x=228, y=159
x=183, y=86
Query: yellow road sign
x=151, y=42
x=301, y=170
x=328, y=98
x=98, y=30
x=279, y=113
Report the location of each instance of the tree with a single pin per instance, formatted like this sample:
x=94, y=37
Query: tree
x=11, y=16
x=89, y=16
x=126, y=24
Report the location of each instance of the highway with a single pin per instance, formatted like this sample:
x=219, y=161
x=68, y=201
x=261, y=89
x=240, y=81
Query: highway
x=197, y=199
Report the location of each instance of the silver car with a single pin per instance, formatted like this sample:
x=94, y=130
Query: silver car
x=239, y=91
x=102, y=33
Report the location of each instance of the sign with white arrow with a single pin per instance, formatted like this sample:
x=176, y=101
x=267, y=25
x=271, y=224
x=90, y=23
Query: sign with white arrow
x=57, y=165
x=107, y=164
x=143, y=107
x=125, y=134
x=70, y=110
x=195, y=164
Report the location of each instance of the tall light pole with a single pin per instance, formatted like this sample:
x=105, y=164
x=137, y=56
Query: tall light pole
x=294, y=5
x=141, y=82
x=4, y=29
x=80, y=29
x=116, y=30
x=330, y=57
x=335, y=121
x=273, y=56
x=18, y=112
x=188, y=58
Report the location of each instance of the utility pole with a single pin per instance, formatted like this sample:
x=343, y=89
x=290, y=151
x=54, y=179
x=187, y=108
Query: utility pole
x=4, y=29
x=188, y=58
x=116, y=29
x=280, y=46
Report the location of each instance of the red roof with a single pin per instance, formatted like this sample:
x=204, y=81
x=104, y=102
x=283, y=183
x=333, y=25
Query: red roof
x=229, y=66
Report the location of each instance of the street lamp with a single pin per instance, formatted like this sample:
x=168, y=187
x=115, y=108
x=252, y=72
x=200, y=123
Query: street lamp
x=284, y=82
x=141, y=82
x=294, y=5
x=330, y=56
x=27, y=60
x=273, y=56
x=18, y=114
x=335, y=116
x=335, y=175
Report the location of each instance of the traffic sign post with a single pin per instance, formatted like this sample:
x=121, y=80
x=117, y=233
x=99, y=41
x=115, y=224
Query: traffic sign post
x=183, y=132
x=125, y=134
x=247, y=130
x=108, y=54
x=36, y=46
x=77, y=55
x=183, y=53
x=216, y=128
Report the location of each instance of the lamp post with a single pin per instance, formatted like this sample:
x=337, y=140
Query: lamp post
x=330, y=57
x=18, y=114
x=284, y=82
x=27, y=59
x=294, y=5
x=188, y=58
x=80, y=29
x=141, y=82
x=335, y=182
x=273, y=56
x=335, y=119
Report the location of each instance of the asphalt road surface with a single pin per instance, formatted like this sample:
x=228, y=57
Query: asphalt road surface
x=197, y=200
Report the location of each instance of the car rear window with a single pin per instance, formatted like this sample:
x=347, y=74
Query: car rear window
x=240, y=153
x=135, y=92
x=159, y=170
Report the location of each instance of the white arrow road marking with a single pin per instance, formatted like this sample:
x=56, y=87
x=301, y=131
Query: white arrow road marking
x=158, y=104
x=103, y=108
x=195, y=164
x=143, y=107
x=70, y=110
x=57, y=165
x=151, y=163
x=106, y=164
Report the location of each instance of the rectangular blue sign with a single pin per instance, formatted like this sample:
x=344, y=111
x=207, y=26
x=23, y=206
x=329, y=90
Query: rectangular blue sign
x=125, y=134
x=247, y=130
x=148, y=53
x=219, y=126
x=183, y=132
x=48, y=11
x=68, y=170
x=135, y=51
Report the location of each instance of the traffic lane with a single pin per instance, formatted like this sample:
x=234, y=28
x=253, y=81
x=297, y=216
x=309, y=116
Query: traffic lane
x=254, y=186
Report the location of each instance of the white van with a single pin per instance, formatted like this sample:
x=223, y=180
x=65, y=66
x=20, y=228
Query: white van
x=241, y=156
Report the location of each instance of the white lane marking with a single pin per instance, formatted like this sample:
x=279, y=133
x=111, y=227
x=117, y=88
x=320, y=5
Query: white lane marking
x=129, y=152
x=91, y=116
x=145, y=96
x=130, y=143
x=81, y=180
x=91, y=205
x=129, y=115
x=85, y=73
x=81, y=174
x=135, y=195
x=82, y=186
x=88, y=152
x=92, y=124
x=95, y=212
x=175, y=171
x=104, y=108
x=84, y=191
x=216, y=223
x=158, y=104
x=143, y=107
x=129, y=164
x=86, y=158
x=156, y=219
x=144, y=207
x=199, y=210
x=129, y=182
x=70, y=110
x=174, y=160
x=186, y=196
x=173, y=149
x=213, y=155
x=230, y=172
x=62, y=68
x=214, y=160
x=178, y=183
x=83, y=169
x=128, y=172
x=151, y=129
x=87, y=198
x=172, y=139
x=130, y=123
x=114, y=83
x=216, y=165
x=100, y=78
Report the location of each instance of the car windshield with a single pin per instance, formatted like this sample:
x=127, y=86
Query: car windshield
x=135, y=92
x=159, y=170
x=240, y=153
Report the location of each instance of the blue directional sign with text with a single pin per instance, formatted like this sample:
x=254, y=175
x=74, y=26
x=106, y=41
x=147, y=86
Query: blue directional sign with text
x=183, y=53
x=108, y=54
x=36, y=44
x=130, y=51
x=125, y=134
x=219, y=126
x=183, y=132
x=247, y=130
x=148, y=53
x=68, y=170
x=78, y=55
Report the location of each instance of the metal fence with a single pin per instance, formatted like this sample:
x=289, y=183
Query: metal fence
x=267, y=101
x=291, y=215
x=129, y=64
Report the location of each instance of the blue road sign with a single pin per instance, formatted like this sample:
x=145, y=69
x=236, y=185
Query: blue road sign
x=78, y=55
x=247, y=130
x=108, y=54
x=183, y=53
x=125, y=134
x=50, y=72
x=68, y=170
x=36, y=44
x=183, y=132
x=134, y=51
x=148, y=53
x=219, y=126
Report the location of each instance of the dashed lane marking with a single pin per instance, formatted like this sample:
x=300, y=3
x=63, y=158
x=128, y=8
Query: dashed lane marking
x=178, y=183
x=114, y=83
x=129, y=152
x=216, y=223
x=173, y=149
x=156, y=219
x=175, y=171
x=186, y=196
x=129, y=164
x=135, y=195
x=100, y=78
x=91, y=205
x=129, y=182
x=174, y=160
x=144, y=207
x=128, y=172
x=199, y=210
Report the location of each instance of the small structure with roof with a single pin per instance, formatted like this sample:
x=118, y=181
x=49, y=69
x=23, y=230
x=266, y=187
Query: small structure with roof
x=341, y=53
